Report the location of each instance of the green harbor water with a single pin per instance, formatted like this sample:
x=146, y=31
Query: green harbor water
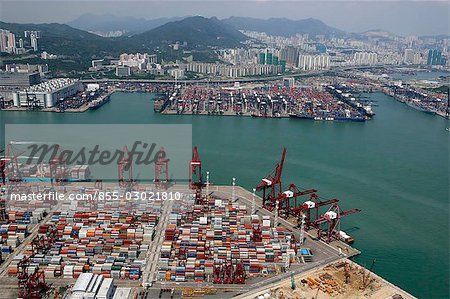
x=395, y=168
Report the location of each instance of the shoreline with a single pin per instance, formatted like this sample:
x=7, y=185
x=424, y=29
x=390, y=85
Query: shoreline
x=438, y=113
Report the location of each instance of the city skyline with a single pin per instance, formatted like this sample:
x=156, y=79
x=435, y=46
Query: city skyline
x=399, y=17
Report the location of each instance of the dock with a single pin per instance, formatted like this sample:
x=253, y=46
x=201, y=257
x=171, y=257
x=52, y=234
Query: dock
x=270, y=100
x=233, y=196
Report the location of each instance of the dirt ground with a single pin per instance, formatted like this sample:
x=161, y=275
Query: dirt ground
x=331, y=282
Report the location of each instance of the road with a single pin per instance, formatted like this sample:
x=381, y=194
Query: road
x=243, y=80
x=152, y=257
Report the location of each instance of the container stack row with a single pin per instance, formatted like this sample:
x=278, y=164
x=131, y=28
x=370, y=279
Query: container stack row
x=197, y=240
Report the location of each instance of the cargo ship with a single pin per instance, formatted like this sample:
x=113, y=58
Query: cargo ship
x=412, y=104
x=328, y=118
x=95, y=104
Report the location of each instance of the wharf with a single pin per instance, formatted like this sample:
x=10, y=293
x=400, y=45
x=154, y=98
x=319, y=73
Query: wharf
x=324, y=254
x=225, y=113
x=83, y=108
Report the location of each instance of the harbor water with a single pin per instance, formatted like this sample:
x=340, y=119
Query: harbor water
x=395, y=168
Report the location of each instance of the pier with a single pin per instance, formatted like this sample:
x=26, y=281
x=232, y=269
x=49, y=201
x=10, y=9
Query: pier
x=272, y=100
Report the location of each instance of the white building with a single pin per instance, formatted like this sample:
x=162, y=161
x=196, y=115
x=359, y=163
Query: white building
x=122, y=293
x=7, y=41
x=3, y=40
x=365, y=58
x=45, y=55
x=232, y=71
x=34, y=42
x=176, y=73
x=106, y=289
x=47, y=94
x=138, y=60
x=11, y=42
x=92, y=286
x=313, y=62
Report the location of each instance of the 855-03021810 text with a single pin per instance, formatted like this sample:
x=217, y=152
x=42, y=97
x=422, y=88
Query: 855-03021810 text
x=97, y=195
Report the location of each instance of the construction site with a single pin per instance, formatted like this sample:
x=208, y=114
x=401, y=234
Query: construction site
x=167, y=239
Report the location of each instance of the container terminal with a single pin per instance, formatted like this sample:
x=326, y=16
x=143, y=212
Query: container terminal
x=209, y=241
x=274, y=100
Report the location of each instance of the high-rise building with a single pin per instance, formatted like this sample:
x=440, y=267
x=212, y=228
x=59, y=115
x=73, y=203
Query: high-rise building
x=3, y=40
x=275, y=60
x=435, y=57
x=20, y=43
x=313, y=62
x=34, y=42
x=408, y=58
x=11, y=42
x=283, y=65
x=269, y=58
x=7, y=41
x=365, y=58
x=292, y=55
x=262, y=58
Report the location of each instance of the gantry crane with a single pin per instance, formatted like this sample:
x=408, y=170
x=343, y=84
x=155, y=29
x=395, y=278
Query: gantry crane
x=2, y=167
x=10, y=164
x=58, y=171
x=271, y=184
x=333, y=220
x=285, y=207
x=239, y=273
x=257, y=235
x=227, y=273
x=312, y=206
x=195, y=176
x=161, y=170
x=3, y=214
x=32, y=285
x=125, y=165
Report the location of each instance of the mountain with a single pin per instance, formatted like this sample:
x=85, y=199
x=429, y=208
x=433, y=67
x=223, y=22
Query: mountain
x=108, y=23
x=283, y=27
x=379, y=33
x=64, y=40
x=198, y=32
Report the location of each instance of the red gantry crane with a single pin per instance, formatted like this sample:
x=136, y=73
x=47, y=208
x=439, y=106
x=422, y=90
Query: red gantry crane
x=271, y=184
x=161, y=170
x=312, y=206
x=239, y=273
x=2, y=168
x=227, y=273
x=195, y=176
x=58, y=171
x=288, y=208
x=125, y=165
x=3, y=214
x=32, y=285
x=332, y=220
x=10, y=164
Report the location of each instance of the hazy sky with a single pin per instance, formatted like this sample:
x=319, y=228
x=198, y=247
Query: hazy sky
x=401, y=17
